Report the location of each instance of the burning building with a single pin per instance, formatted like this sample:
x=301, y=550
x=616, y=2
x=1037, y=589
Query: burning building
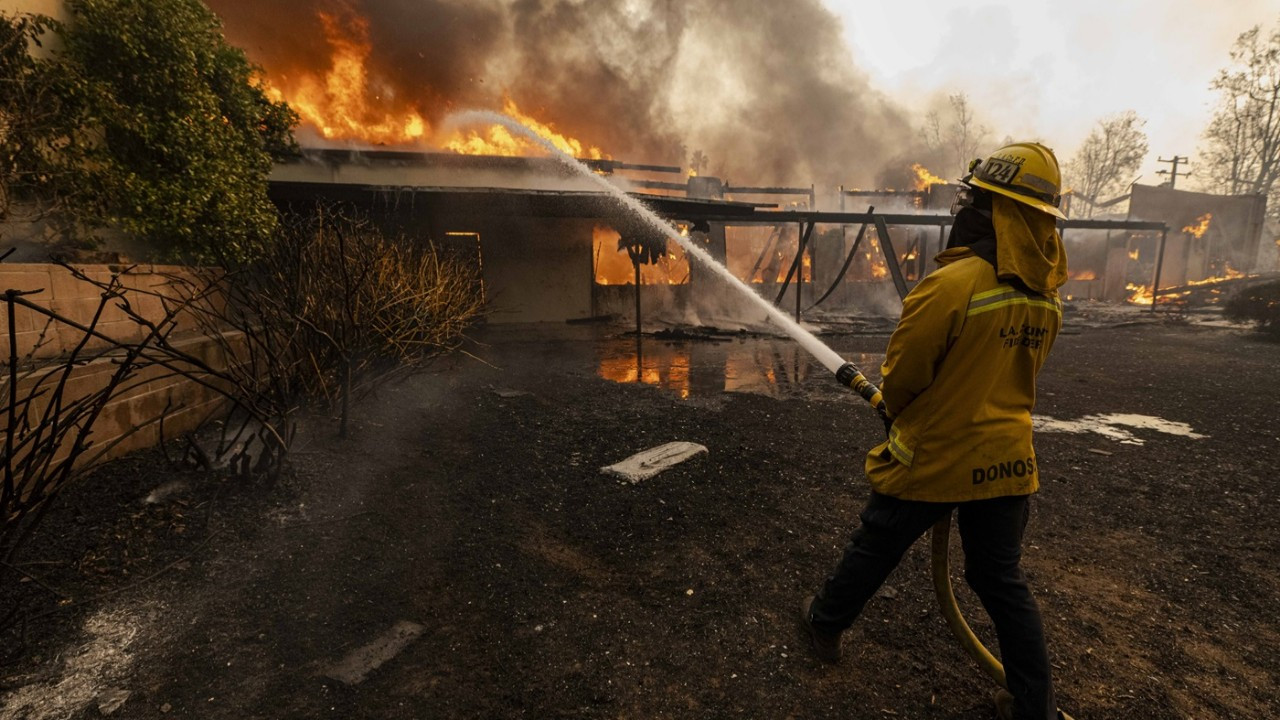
x=546, y=240
x=1194, y=239
x=376, y=85
x=1216, y=235
x=553, y=247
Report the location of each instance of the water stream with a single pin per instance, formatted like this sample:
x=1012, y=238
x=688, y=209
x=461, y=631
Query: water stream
x=825, y=355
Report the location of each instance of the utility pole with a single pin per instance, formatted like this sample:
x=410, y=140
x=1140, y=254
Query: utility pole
x=1173, y=174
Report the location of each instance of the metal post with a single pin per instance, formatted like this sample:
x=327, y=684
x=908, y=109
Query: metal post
x=800, y=270
x=635, y=262
x=1155, y=283
x=890, y=256
x=13, y=407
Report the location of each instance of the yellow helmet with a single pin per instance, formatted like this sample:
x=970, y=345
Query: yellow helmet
x=1025, y=172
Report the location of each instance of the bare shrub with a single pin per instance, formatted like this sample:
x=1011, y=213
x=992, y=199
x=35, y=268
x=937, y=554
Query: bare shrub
x=335, y=309
x=358, y=306
x=48, y=425
x=1258, y=304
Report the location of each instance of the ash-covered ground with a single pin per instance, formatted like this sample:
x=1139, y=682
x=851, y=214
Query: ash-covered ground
x=469, y=501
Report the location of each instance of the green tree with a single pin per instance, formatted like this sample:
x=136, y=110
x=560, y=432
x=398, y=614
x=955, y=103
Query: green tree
x=167, y=135
x=41, y=121
x=1242, y=150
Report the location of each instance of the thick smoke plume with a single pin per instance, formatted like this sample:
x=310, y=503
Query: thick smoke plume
x=766, y=90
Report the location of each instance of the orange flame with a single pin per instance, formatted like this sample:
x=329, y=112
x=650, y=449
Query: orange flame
x=613, y=266
x=498, y=140
x=343, y=102
x=1084, y=275
x=1199, y=227
x=338, y=103
x=924, y=178
x=1133, y=254
x=1141, y=294
x=1229, y=273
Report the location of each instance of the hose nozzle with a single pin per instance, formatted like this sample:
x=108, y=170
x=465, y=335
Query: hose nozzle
x=850, y=376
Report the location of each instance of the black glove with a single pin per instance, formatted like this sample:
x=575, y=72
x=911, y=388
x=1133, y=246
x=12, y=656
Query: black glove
x=888, y=421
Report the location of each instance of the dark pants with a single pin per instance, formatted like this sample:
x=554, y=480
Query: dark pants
x=991, y=532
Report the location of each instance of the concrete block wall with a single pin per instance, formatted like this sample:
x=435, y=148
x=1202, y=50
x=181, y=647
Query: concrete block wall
x=148, y=393
x=78, y=300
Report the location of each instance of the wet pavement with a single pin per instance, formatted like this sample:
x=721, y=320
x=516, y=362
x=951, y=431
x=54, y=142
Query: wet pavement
x=693, y=367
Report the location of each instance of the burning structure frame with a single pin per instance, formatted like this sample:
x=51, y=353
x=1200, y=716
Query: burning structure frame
x=529, y=224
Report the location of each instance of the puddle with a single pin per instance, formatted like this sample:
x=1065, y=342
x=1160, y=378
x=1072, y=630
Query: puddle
x=1116, y=426
x=703, y=369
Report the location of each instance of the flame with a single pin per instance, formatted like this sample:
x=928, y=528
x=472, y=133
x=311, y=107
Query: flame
x=1141, y=294
x=338, y=103
x=879, y=270
x=498, y=140
x=1199, y=227
x=613, y=266
x=1133, y=254
x=1084, y=275
x=343, y=102
x=924, y=178
x=1229, y=273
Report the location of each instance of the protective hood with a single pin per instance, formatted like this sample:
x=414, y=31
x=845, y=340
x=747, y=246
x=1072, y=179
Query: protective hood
x=1028, y=246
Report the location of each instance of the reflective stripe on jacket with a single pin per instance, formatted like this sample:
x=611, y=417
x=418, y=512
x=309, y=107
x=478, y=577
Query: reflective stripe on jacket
x=959, y=383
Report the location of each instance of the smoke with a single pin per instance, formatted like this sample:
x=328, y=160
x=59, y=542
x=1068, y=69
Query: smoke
x=766, y=90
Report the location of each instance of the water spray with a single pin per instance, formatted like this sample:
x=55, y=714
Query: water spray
x=846, y=372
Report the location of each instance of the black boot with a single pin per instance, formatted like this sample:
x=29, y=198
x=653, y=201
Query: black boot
x=825, y=645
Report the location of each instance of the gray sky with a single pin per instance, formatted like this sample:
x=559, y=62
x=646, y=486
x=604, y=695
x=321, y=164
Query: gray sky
x=1050, y=70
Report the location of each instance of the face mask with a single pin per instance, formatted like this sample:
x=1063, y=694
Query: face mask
x=966, y=198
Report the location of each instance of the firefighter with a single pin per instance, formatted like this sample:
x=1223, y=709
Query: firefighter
x=959, y=384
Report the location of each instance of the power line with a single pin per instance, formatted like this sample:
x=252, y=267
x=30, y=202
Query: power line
x=1173, y=174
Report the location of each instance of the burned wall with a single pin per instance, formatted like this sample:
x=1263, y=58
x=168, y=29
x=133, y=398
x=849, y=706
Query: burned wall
x=1209, y=236
x=535, y=264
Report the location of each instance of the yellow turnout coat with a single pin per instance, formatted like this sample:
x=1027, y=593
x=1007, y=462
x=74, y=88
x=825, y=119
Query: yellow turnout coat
x=959, y=373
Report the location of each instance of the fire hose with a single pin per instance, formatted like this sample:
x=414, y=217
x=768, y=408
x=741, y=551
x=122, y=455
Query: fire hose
x=850, y=376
